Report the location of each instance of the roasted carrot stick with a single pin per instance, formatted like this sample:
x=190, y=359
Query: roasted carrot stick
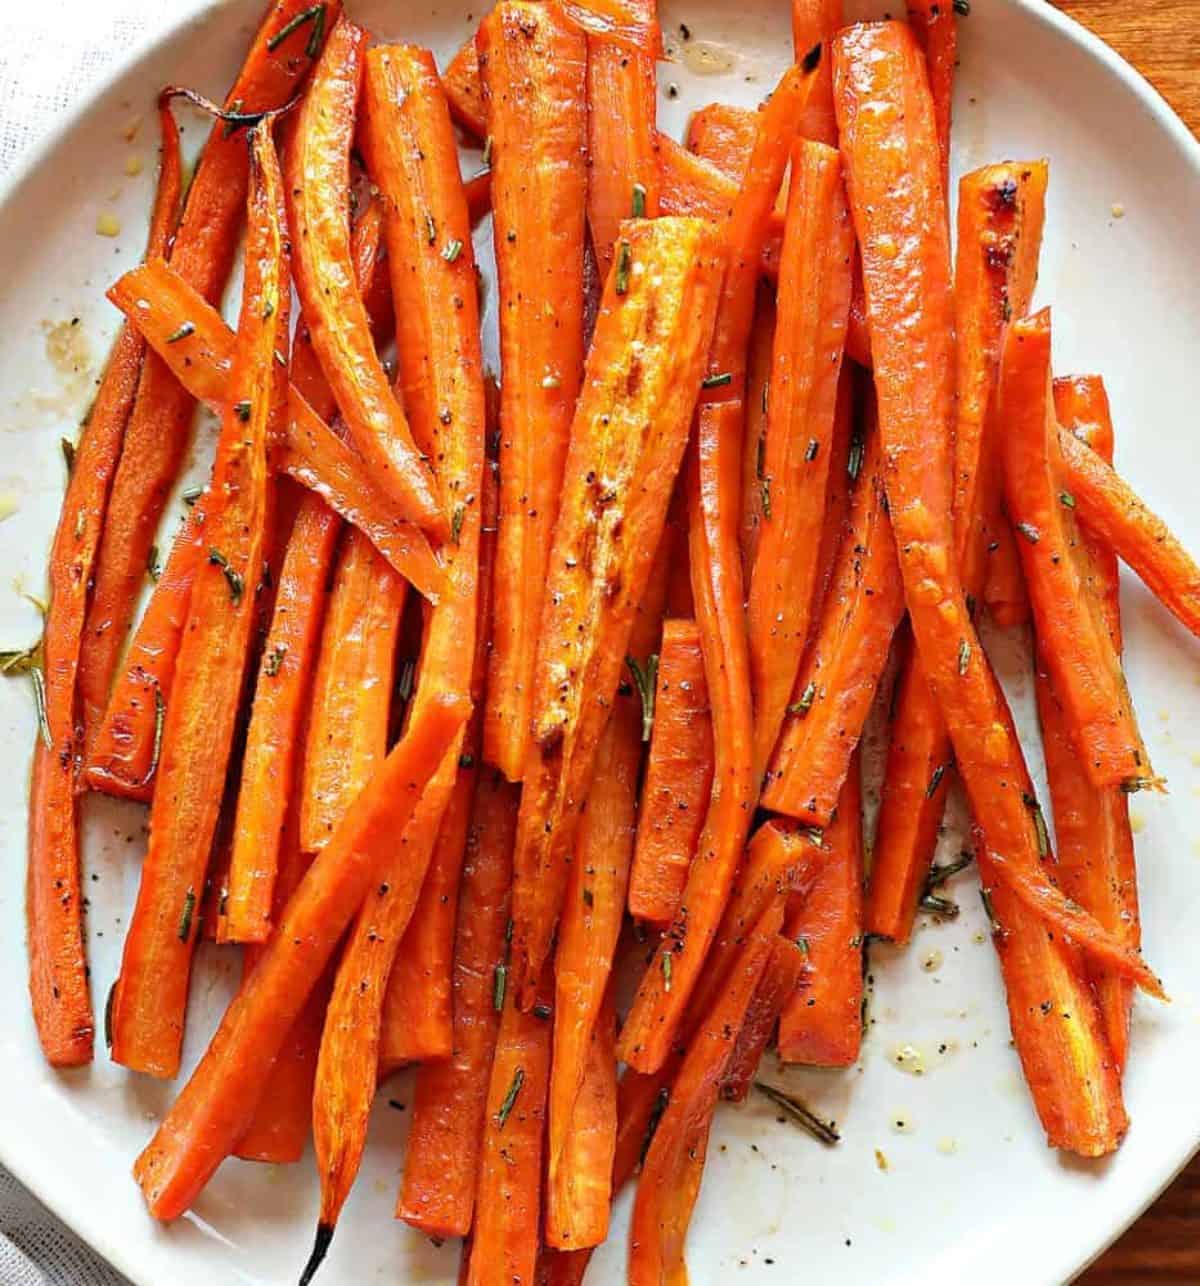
x=1000, y=215
x=151, y=994
x=216, y=1105
x=671, y=1175
x=679, y=776
x=622, y=166
x=1073, y=638
x=479, y=196
x=508, y=1196
x=160, y=302
x=630, y=23
x=776, y=987
x=715, y=495
x=58, y=985
x=410, y=142
x=441, y=1162
x=202, y=253
x=822, y=1022
x=724, y=137
x=627, y=441
x=758, y=403
x=814, y=22
x=1111, y=509
x=814, y=299
x=534, y=74
x=936, y=25
x=464, y=90
x=910, y=317
x=1004, y=593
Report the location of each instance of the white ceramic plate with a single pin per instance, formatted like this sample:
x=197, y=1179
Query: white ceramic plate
x=969, y=1192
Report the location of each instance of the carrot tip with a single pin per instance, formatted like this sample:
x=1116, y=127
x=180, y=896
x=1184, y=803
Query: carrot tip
x=320, y=1249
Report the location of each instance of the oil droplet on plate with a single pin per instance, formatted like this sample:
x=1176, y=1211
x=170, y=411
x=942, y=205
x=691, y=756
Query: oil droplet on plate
x=908, y=1058
x=947, y=1146
x=932, y=961
x=705, y=58
x=108, y=225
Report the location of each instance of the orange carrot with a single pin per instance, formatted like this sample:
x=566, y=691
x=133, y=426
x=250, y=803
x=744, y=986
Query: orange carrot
x=627, y=441
x=715, y=495
x=679, y=776
x=58, y=985
x=479, y=196
x=836, y=685
x=815, y=22
x=1073, y=638
x=1113, y=511
x=814, y=299
x=724, y=137
x=1005, y=594
x=781, y=976
x=219, y=1100
x=632, y=24
x=441, y=1162
x=150, y=999
x=508, y=1196
x=758, y=394
x=464, y=90
x=936, y=26
x=202, y=253
x=822, y=1022
x=534, y=74
x=671, y=1175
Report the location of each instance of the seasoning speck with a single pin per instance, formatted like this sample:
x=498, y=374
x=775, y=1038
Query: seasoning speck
x=881, y=1161
x=932, y=961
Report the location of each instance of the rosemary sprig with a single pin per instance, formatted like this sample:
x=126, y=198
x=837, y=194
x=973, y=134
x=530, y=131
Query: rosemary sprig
x=456, y=522
x=188, y=328
x=823, y=1131
x=964, y=656
x=274, y=659
x=300, y=20
x=38, y=679
x=452, y=249
x=639, y=201
x=1039, y=825
x=934, y=903
x=666, y=971
x=237, y=586
x=510, y=1098
x=499, y=986
x=717, y=381
x=855, y=461
x=624, y=254
x=805, y=704
x=646, y=682
x=185, y=920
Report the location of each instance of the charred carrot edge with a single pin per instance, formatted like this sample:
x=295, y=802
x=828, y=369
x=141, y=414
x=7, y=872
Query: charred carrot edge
x=679, y=775
x=622, y=166
x=578, y=1176
x=813, y=303
x=842, y=669
x=936, y=25
x=627, y=441
x=1110, y=508
x=410, y=143
x=911, y=332
x=715, y=494
x=534, y=73
x=441, y=1162
x=815, y=22
x=159, y=427
x=1093, y=838
x=1073, y=638
x=775, y=989
x=724, y=137
x=150, y=1000
x=58, y=987
x=672, y=1172
x=215, y=1107
x=1001, y=211
x=822, y=1022
x=464, y=89
x=311, y=452
x=506, y=1230
x=758, y=398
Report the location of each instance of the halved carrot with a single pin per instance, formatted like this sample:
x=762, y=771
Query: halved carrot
x=627, y=441
x=150, y=999
x=814, y=299
x=218, y=1102
x=160, y=303
x=202, y=253
x=671, y=1175
x=936, y=25
x=775, y=989
x=58, y=987
x=464, y=89
x=1073, y=638
x=758, y=397
x=534, y=73
x=1113, y=511
x=1001, y=209
x=822, y=1022
x=410, y=142
x=679, y=775
x=814, y=23
x=507, y=1225
x=714, y=479
x=836, y=685
x=724, y=137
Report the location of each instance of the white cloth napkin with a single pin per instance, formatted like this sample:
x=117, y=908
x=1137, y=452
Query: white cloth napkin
x=51, y=53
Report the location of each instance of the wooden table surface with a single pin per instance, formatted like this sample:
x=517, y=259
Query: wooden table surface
x=1161, y=38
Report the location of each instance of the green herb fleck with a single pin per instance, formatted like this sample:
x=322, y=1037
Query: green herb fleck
x=456, y=522
x=191, y=495
x=185, y=920
x=1066, y=499
x=22, y=662
x=964, y=656
x=717, y=381
x=935, y=781
x=242, y=411
x=430, y=228
x=499, y=986
x=38, y=679
x=274, y=660
x=510, y=1098
x=646, y=682
x=488, y=144
x=1039, y=824
x=188, y=328
x=986, y=898
x=624, y=254
x=666, y=971
x=805, y=704
x=452, y=249
x=639, y=201
x=284, y=32
x=405, y=677
x=812, y=450
x=764, y=495
x=237, y=586
x=854, y=463
x=802, y=943
x=153, y=570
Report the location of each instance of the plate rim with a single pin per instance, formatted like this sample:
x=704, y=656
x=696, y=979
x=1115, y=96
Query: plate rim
x=22, y=1163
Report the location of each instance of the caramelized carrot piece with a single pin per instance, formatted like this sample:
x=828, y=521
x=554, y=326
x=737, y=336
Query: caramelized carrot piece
x=776, y=987
x=464, y=90
x=507, y=1224
x=715, y=494
x=822, y=1022
x=1001, y=210
x=150, y=999
x=410, y=142
x=674, y=1165
x=936, y=25
x=1114, y=512
x=814, y=299
x=910, y=316
x=441, y=1162
x=679, y=777
x=58, y=987
x=758, y=395
x=534, y=74
x=1074, y=642
x=1005, y=594
x=218, y=1102
x=159, y=427
x=724, y=137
